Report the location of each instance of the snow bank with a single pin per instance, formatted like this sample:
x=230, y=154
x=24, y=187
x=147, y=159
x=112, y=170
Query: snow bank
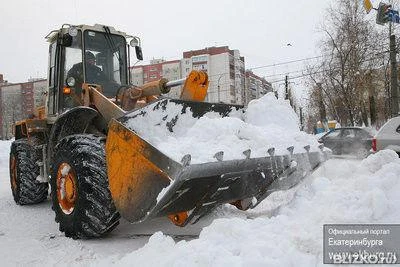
x=341, y=192
x=266, y=123
x=269, y=111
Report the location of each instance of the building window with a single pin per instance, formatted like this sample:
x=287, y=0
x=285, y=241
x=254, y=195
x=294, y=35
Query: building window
x=232, y=90
x=199, y=58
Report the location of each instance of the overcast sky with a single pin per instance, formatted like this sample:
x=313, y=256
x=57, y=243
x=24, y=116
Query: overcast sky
x=260, y=29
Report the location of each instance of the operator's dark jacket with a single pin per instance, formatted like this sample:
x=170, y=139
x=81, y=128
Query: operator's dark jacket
x=93, y=73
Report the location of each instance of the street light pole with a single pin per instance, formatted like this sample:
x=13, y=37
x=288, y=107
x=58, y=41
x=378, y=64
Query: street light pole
x=393, y=73
x=219, y=78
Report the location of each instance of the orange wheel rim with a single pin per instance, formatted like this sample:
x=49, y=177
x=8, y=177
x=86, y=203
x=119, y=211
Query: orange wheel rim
x=179, y=219
x=13, y=169
x=66, y=188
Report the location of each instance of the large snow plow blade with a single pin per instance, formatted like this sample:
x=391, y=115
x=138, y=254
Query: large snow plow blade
x=145, y=183
x=245, y=183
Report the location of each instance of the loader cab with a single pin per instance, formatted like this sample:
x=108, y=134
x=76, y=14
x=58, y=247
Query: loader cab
x=85, y=54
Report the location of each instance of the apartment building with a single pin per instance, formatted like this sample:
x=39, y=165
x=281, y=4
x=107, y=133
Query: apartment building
x=256, y=86
x=226, y=72
x=11, y=108
x=18, y=101
x=157, y=69
x=228, y=80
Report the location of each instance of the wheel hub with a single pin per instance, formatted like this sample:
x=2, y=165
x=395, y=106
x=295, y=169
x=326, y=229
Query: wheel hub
x=179, y=219
x=66, y=188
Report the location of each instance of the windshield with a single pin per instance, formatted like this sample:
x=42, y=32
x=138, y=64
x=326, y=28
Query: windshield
x=105, y=61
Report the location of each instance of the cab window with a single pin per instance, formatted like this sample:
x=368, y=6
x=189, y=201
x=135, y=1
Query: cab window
x=73, y=68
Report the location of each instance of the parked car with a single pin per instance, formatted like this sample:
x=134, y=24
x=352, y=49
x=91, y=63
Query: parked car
x=388, y=137
x=348, y=140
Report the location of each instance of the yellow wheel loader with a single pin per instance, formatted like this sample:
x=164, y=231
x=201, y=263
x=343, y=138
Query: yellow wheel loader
x=86, y=143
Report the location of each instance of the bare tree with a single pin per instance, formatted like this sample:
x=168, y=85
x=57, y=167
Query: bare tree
x=352, y=49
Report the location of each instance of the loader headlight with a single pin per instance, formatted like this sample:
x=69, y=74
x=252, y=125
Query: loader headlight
x=135, y=42
x=73, y=31
x=71, y=81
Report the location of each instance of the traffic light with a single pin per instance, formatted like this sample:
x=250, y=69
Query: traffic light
x=382, y=16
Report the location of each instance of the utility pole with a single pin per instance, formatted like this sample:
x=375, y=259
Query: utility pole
x=301, y=119
x=218, y=88
x=286, y=87
x=393, y=73
x=322, y=110
x=386, y=14
x=288, y=93
x=371, y=97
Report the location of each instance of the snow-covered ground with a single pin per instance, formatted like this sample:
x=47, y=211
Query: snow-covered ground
x=342, y=191
x=29, y=236
x=284, y=230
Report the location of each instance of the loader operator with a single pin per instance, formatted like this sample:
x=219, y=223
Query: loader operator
x=93, y=73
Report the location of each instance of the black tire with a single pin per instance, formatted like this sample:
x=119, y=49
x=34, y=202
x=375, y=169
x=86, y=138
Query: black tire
x=24, y=171
x=93, y=213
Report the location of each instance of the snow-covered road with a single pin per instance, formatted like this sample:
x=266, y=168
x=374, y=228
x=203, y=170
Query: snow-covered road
x=285, y=230
x=29, y=235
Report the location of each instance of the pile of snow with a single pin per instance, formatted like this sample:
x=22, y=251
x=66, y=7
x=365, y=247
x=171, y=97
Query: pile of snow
x=341, y=192
x=272, y=112
x=267, y=122
x=284, y=230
